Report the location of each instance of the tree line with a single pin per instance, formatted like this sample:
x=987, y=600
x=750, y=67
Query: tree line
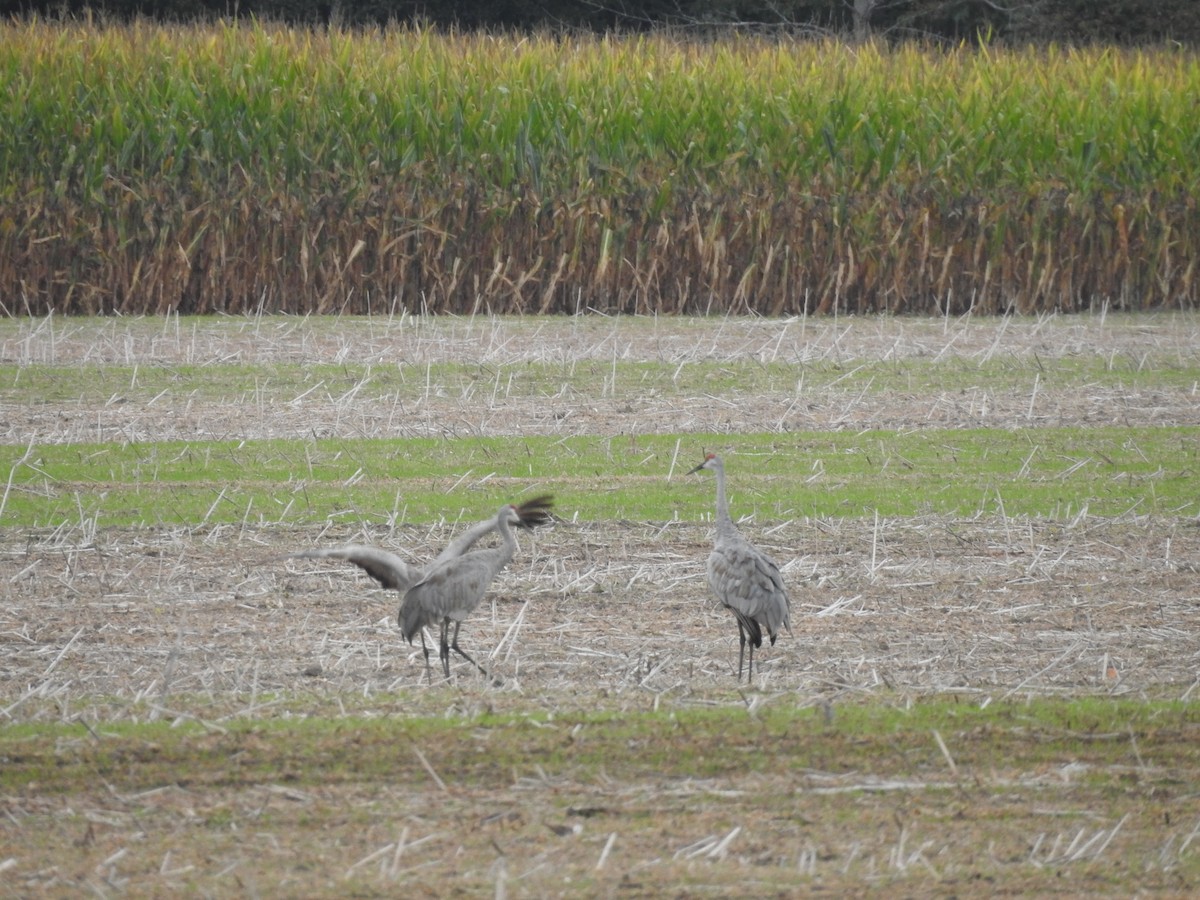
x=1118, y=22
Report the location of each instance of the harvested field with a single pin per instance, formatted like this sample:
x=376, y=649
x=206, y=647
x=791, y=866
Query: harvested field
x=984, y=608
x=965, y=373
x=190, y=709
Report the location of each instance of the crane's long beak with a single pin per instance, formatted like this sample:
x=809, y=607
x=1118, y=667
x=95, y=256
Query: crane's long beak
x=697, y=469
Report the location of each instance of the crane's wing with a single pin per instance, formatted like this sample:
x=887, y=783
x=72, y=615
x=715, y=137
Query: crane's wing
x=386, y=568
x=747, y=581
x=531, y=514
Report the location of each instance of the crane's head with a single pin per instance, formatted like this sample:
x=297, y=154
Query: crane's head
x=711, y=461
x=508, y=515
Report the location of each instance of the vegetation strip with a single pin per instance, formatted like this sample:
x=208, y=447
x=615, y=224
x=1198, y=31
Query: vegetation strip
x=876, y=739
x=404, y=382
x=247, y=167
x=1056, y=472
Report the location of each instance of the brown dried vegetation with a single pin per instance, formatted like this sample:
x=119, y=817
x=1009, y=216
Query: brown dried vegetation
x=258, y=169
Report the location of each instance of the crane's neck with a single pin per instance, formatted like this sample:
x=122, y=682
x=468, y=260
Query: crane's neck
x=722, y=503
x=509, y=547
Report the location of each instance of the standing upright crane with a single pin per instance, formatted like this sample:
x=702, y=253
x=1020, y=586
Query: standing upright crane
x=745, y=580
x=451, y=589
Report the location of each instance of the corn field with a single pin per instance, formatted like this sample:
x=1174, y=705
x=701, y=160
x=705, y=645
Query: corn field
x=149, y=169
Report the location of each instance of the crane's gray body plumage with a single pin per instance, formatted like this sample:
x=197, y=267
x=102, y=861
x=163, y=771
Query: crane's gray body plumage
x=451, y=590
x=744, y=579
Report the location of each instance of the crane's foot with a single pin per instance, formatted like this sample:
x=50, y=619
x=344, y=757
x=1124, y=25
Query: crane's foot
x=496, y=680
x=493, y=679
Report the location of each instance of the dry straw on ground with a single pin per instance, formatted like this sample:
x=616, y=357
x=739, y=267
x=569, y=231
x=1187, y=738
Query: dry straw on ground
x=212, y=625
x=484, y=401
x=100, y=625
x=988, y=605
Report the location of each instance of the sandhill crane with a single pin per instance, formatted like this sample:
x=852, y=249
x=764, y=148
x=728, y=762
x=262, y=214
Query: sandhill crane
x=452, y=588
x=744, y=579
x=394, y=573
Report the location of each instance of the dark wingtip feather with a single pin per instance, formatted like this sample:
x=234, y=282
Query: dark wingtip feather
x=535, y=512
x=749, y=625
x=755, y=633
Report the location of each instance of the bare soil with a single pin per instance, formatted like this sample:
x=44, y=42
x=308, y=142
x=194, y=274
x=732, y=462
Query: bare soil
x=218, y=625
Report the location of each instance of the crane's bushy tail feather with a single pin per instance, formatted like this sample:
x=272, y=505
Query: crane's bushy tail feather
x=535, y=512
x=753, y=630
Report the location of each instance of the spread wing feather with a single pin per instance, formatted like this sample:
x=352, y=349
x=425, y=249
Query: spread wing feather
x=386, y=568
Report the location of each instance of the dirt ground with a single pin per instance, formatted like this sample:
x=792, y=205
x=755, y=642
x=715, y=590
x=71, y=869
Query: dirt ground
x=1030, y=399
x=980, y=607
x=990, y=605
x=117, y=625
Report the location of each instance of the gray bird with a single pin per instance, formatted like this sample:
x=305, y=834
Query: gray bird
x=394, y=573
x=744, y=579
x=451, y=589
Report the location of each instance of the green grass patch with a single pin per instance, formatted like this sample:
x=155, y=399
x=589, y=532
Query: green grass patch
x=404, y=382
x=926, y=797
x=1054, y=472
x=879, y=739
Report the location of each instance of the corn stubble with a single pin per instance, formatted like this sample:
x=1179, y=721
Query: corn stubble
x=148, y=169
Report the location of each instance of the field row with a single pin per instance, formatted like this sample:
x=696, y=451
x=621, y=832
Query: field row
x=1059, y=473
x=204, y=422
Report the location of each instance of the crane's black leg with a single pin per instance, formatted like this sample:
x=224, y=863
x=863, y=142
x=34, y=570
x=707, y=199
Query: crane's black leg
x=750, y=667
x=425, y=650
x=461, y=652
x=742, y=648
x=444, y=647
